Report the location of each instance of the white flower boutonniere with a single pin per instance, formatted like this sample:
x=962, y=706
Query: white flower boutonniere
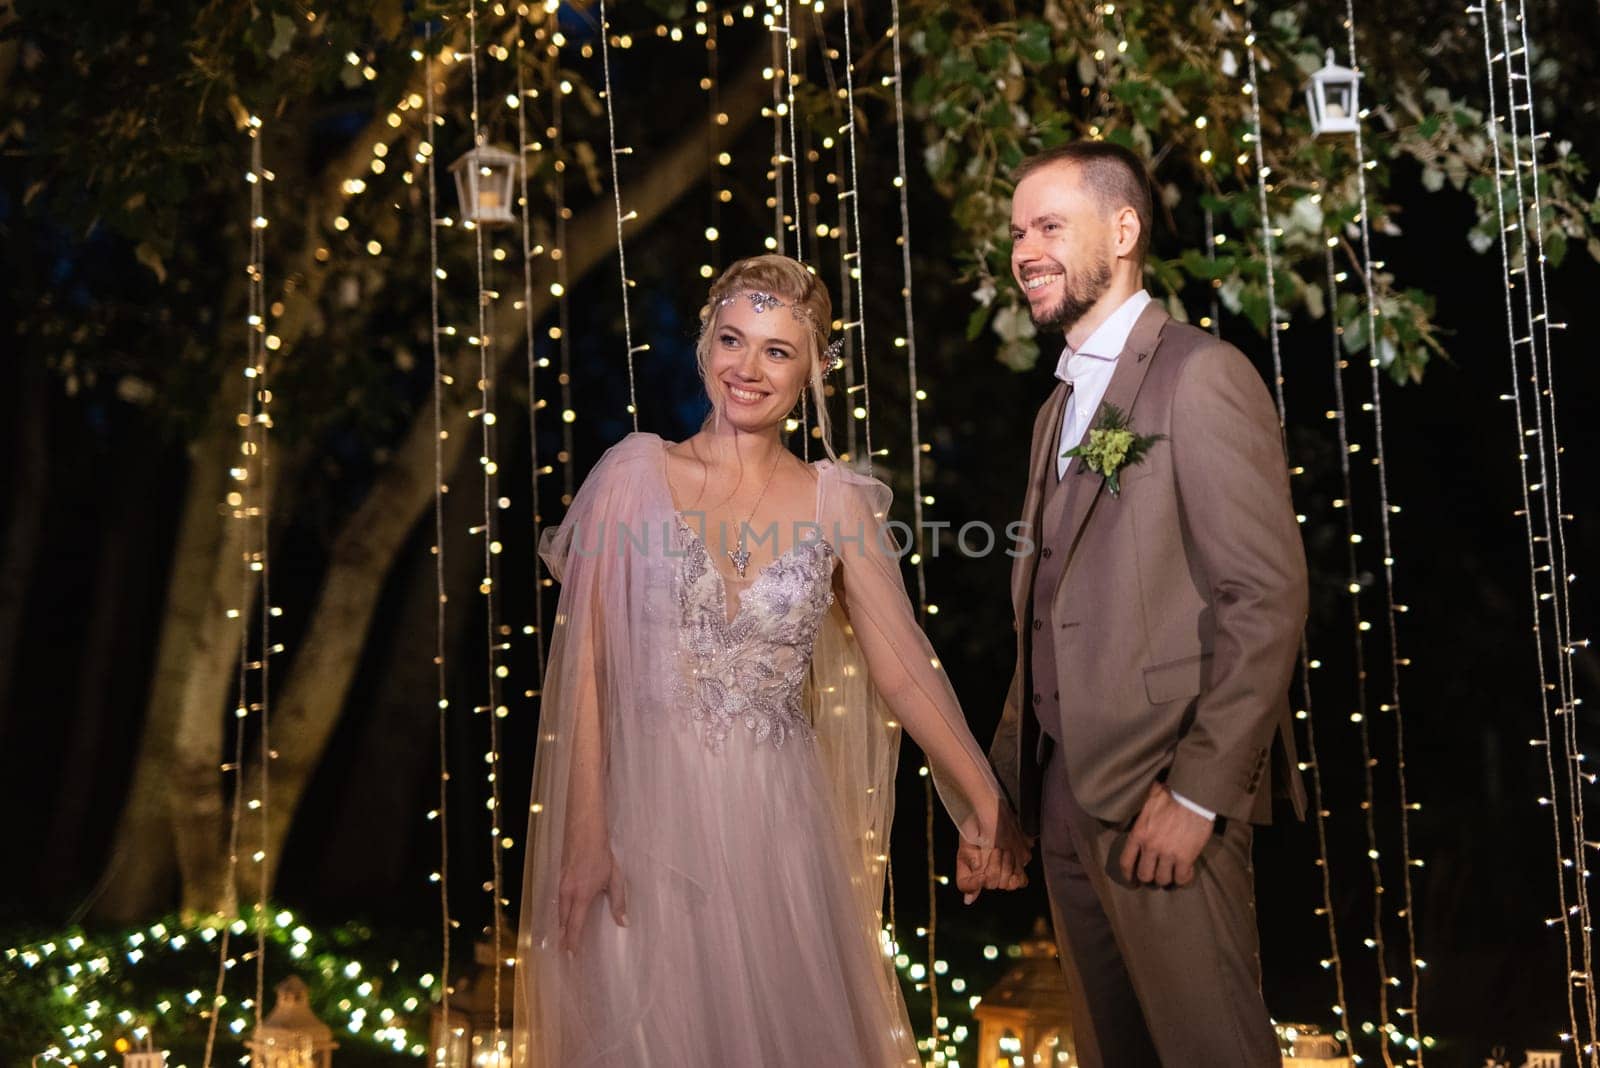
x=1111, y=446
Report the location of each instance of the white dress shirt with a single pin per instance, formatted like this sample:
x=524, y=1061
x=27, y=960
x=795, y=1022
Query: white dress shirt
x=1089, y=370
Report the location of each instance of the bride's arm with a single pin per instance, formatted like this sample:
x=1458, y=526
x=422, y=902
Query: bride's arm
x=908, y=674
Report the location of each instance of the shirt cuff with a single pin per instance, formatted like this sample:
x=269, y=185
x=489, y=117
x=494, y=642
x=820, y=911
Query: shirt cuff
x=1198, y=810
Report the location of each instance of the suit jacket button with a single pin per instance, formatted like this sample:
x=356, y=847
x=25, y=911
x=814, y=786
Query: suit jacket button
x=1045, y=552
x=1038, y=623
x=1038, y=698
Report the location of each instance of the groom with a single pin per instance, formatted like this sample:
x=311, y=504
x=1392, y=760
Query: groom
x=1158, y=622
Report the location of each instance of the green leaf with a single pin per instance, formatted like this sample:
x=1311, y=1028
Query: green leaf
x=1355, y=333
x=1555, y=248
x=1033, y=42
x=978, y=320
x=283, y=31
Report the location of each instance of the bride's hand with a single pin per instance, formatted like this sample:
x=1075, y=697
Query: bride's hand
x=994, y=852
x=587, y=871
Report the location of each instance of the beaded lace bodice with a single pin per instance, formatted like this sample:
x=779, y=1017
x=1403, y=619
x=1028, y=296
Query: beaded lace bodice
x=750, y=670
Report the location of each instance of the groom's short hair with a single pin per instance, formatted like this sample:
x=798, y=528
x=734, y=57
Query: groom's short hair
x=1116, y=175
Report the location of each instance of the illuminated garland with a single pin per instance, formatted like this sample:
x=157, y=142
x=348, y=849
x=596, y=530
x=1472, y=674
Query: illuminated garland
x=1541, y=511
x=1276, y=324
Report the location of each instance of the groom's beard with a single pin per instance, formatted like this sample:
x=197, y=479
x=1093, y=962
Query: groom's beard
x=1079, y=294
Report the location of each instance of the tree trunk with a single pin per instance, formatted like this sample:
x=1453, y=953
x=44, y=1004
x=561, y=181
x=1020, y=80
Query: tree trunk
x=396, y=776
x=325, y=664
x=143, y=865
x=142, y=868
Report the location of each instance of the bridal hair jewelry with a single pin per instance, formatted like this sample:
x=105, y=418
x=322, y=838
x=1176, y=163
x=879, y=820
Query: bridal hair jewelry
x=832, y=358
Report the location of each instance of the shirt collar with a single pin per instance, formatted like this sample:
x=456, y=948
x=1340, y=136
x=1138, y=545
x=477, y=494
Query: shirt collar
x=1110, y=337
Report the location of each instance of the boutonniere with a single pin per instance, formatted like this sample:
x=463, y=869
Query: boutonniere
x=1113, y=445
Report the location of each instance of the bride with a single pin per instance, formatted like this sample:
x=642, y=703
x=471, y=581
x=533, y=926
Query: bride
x=733, y=655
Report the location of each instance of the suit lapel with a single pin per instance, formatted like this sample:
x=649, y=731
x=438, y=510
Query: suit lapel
x=1042, y=457
x=1132, y=366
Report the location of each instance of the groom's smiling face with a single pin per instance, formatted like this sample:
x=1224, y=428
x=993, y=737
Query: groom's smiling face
x=1061, y=245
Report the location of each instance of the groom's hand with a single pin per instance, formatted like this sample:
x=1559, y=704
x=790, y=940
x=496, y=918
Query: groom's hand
x=1165, y=841
x=969, y=870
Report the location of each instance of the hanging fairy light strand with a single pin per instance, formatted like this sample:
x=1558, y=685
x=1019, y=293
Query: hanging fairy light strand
x=1359, y=628
x=717, y=158
x=840, y=232
x=1393, y=609
x=1275, y=325
x=562, y=329
x=493, y=708
x=535, y=403
x=790, y=78
x=1542, y=376
x=776, y=241
x=914, y=400
x=1537, y=520
x=246, y=504
x=427, y=156
x=853, y=258
x=616, y=192
x=259, y=343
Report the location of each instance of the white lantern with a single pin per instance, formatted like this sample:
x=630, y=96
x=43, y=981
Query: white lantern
x=292, y=1036
x=468, y=1037
x=1331, y=99
x=484, y=180
x=149, y=1057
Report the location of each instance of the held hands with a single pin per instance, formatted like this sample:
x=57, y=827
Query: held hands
x=586, y=872
x=993, y=854
x=1165, y=842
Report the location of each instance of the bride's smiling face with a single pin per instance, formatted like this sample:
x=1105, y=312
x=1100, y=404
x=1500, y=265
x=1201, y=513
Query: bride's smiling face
x=758, y=363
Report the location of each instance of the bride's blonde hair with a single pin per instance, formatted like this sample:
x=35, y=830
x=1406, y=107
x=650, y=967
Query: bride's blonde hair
x=792, y=283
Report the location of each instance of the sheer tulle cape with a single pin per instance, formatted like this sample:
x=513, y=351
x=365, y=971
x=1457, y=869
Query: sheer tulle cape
x=617, y=557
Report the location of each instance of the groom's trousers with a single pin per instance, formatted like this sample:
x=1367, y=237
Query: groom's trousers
x=1157, y=977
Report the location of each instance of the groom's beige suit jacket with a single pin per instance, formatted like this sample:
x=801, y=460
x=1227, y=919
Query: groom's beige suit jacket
x=1177, y=617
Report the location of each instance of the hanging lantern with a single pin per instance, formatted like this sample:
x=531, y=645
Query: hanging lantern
x=1022, y=1019
x=1305, y=1046
x=1331, y=99
x=468, y=1037
x=148, y=1057
x=292, y=1036
x=484, y=179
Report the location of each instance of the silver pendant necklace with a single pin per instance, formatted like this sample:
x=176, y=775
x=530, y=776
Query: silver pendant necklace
x=739, y=555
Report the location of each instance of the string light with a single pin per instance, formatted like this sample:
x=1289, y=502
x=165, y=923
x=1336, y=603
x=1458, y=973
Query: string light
x=442, y=813
x=789, y=77
x=841, y=232
x=616, y=190
x=1213, y=322
x=853, y=258
x=535, y=468
x=1549, y=486
x=1540, y=527
x=248, y=505
x=776, y=242
x=1341, y=1006
x=106, y=982
x=716, y=158
x=909, y=343
x=1384, y=510
x=559, y=254
x=489, y=588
